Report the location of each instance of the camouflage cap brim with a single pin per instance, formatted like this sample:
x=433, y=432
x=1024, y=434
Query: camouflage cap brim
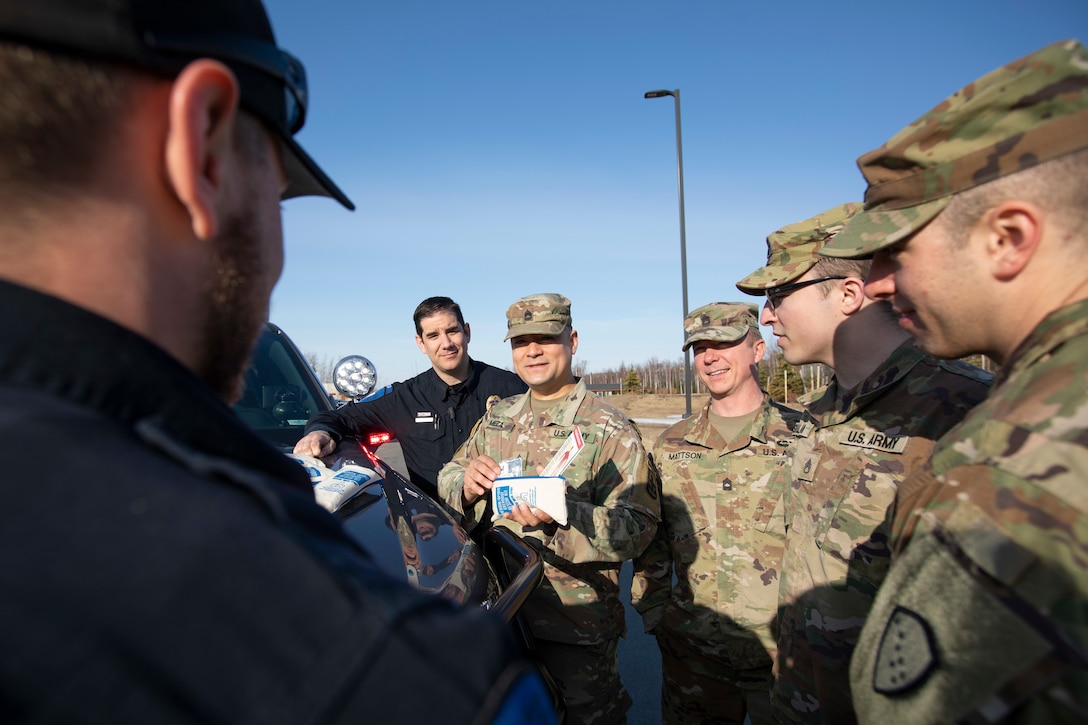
x=716, y=334
x=872, y=230
x=794, y=249
x=782, y=267
x=536, y=328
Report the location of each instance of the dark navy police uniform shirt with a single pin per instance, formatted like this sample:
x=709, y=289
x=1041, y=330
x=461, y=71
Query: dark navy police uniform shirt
x=160, y=563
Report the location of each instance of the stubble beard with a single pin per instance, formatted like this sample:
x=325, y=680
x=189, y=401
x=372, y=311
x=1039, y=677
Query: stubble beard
x=236, y=308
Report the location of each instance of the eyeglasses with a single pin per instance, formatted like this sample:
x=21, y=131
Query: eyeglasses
x=775, y=295
x=261, y=56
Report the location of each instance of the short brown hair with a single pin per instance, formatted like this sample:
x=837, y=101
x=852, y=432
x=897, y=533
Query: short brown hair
x=58, y=119
x=432, y=306
x=61, y=118
x=839, y=267
x=835, y=267
x=1057, y=186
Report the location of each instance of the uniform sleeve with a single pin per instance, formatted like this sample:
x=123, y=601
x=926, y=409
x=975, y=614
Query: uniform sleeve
x=359, y=419
x=451, y=480
x=1009, y=632
x=651, y=585
x=622, y=517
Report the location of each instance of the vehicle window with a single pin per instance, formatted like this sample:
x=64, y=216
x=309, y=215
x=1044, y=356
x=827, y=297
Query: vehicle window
x=279, y=395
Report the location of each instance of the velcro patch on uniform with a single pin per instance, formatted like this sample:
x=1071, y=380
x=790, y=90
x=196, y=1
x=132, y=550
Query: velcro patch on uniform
x=804, y=429
x=425, y=416
x=805, y=468
x=905, y=656
x=874, y=439
x=500, y=424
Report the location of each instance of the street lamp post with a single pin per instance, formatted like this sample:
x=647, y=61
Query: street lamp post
x=683, y=240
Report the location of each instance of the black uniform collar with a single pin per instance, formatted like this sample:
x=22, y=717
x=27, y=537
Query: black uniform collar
x=461, y=390
x=49, y=345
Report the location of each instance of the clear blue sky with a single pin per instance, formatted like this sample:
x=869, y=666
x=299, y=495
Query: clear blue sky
x=501, y=148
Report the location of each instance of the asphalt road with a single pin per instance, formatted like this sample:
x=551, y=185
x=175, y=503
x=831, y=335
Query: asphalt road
x=640, y=663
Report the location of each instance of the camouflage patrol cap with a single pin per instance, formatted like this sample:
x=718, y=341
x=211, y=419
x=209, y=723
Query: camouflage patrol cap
x=720, y=322
x=543, y=314
x=793, y=249
x=1030, y=111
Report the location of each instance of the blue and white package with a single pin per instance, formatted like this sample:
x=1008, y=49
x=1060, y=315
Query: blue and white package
x=547, y=493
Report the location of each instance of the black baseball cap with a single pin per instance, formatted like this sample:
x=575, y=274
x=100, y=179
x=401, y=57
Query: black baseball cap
x=163, y=36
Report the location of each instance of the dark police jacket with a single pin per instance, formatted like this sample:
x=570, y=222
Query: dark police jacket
x=160, y=563
x=429, y=418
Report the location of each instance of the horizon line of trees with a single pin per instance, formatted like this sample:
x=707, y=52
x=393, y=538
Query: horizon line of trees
x=784, y=382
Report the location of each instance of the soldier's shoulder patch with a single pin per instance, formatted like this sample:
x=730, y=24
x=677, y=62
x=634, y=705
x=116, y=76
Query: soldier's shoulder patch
x=906, y=655
x=653, y=481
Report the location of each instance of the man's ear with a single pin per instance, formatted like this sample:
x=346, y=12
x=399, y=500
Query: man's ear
x=468, y=334
x=573, y=341
x=851, y=294
x=1012, y=231
x=203, y=112
x=759, y=349
x=422, y=347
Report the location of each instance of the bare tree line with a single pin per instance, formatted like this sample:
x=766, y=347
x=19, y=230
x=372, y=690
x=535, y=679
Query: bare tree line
x=783, y=381
x=324, y=366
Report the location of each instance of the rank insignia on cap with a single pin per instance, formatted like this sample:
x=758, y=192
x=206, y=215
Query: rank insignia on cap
x=905, y=656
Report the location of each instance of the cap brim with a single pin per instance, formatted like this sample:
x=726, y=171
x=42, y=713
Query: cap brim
x=870, y=231
x=305, y=177
x=535, y=328
x=717, y=334
x=764, y=278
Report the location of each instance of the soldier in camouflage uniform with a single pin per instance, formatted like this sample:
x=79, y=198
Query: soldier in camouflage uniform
x=976, y=218
x=613, y=509
x=878, y=418
x=724, y=472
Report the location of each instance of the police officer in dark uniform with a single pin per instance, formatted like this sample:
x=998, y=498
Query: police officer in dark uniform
x=160, y=563
x=431, y=414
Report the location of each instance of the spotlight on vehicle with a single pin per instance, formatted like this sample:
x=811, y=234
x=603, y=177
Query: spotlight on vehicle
x=355, y=377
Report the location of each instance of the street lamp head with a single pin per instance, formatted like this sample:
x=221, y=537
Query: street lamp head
x=657, y=94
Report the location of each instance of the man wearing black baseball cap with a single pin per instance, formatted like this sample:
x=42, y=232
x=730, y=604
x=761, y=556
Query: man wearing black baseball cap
x=158, y=562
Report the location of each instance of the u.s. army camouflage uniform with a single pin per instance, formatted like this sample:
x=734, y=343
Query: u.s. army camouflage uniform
x=846, y=471
x=722, y=534
x=983, y=616
x=985, y=610
x=612, y=508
